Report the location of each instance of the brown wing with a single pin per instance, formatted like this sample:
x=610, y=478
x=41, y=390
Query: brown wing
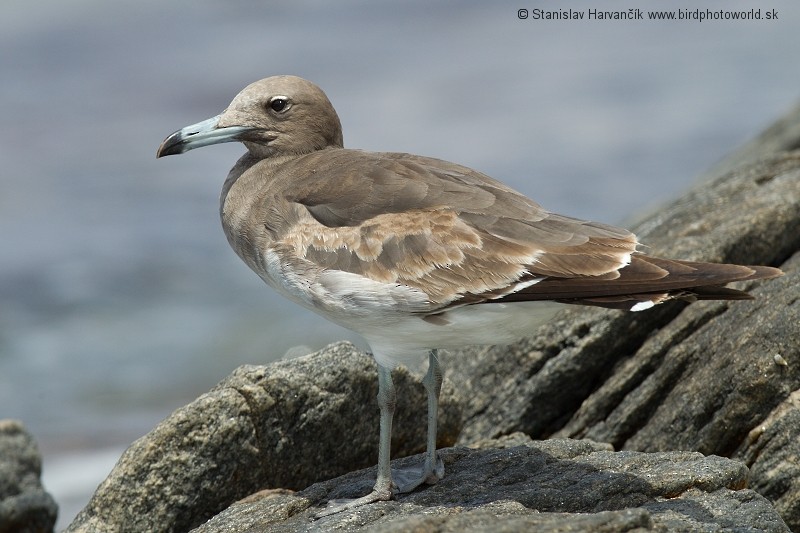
x=457, y=235
x=463, y=238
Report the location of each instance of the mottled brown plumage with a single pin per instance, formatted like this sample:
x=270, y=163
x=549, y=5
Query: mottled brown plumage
x=455, y=234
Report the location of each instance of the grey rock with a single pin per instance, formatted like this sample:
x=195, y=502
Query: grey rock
x=25, y=507
x=701, y=377
x=771, y=450
x=722, y=378
x=752, y=216
x=517, y=485
x=286, y=425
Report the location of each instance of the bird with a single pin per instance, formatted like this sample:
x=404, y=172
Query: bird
x=416, y=254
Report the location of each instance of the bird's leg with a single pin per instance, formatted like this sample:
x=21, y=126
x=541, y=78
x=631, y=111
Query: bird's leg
x=387, y=400
x=433, y=468
x=383, y=490
x=405, y=480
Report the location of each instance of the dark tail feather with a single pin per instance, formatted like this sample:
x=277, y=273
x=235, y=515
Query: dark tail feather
x=648, y=281
x=763, y=272
x=629, y=301
x=720, y=293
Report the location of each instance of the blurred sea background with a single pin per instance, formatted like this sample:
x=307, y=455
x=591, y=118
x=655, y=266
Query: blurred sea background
x=119, y=297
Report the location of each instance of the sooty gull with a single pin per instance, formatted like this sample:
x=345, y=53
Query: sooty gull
x=413, y=253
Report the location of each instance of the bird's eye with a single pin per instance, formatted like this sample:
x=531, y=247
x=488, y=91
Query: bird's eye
x=279, y=104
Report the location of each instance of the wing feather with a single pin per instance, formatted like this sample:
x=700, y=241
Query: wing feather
x=462, y=238
x=456, y=234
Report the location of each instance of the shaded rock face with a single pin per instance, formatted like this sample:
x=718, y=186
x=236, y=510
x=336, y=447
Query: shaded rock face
x=25, y=507
x=692, y=396
x=515, y=484
x=715, y=377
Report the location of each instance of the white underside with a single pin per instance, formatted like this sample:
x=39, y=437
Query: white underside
x=408, y=339
x=391, y=317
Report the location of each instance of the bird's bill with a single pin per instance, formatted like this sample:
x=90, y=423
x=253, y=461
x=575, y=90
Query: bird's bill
x=198, y=135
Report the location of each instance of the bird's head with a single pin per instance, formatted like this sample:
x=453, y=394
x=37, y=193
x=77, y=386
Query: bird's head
x=280, y=115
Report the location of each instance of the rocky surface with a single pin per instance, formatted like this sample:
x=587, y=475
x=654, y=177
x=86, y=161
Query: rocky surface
x=515, y=484
x=713, y=377
x=674, y=389
x=25, y=507
x=284, y=425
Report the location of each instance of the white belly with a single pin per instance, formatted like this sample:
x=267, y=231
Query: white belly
x=392, y=317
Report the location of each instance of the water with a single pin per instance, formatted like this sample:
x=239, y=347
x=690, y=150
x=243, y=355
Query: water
x=119, y=297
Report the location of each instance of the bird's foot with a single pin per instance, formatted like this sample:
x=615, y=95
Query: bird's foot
x=337, y=506
x=408, y=479
x=403, y=480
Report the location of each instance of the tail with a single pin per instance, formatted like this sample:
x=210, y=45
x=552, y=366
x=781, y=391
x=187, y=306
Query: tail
x=648, y=281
